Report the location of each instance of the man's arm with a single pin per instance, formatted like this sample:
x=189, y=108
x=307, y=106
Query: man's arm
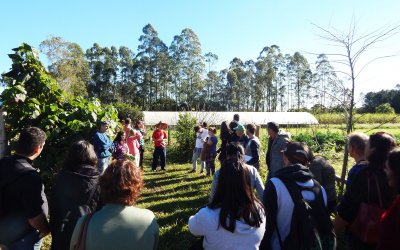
x=41, y=224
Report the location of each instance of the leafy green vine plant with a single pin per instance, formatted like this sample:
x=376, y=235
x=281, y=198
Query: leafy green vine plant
x=33, y=98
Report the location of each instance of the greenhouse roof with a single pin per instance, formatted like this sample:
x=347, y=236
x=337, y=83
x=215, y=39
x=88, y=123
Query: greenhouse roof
x=216, y=118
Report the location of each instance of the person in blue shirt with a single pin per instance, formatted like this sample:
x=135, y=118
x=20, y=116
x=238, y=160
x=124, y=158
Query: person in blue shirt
x=103, y=146
x=357, y=142
x=212, y=144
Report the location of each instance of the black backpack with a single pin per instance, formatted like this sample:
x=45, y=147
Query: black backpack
x=311, y=226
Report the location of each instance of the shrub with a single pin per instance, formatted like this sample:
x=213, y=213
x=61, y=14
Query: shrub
x=185, y=139
x=384, y=108
x=322, y=142
x=128, y=111
x=32, y=98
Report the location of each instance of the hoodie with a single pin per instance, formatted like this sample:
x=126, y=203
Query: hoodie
x=206, y=223
x=278, y=205
x=71, y=190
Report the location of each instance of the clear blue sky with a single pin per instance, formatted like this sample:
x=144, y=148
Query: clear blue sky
x=228, y=28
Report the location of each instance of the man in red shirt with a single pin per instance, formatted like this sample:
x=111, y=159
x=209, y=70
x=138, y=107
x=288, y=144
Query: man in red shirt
x=159, y=136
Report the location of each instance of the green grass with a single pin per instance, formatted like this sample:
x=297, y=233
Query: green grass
x=369, y=118
x=174, y=196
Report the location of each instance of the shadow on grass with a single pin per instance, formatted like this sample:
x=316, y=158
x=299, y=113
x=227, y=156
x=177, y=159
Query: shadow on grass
x=176, y=236
x=168, y=180
x=192, y=185
x=151, y=198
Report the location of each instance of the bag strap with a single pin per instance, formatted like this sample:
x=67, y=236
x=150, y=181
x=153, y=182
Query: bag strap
x=91, y=194
x=379, y=191
x=81, y=244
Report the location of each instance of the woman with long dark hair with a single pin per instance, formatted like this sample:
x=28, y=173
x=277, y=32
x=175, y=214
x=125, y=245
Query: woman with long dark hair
x=139, y=126
x=235, y=151
x=76, y=185
x=120, y=146
x=225, y=136
x=235, y=218
x=369, y=185
x=390, y=223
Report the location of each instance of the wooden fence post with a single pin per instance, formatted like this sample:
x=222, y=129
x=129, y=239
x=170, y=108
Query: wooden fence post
x=258, y=130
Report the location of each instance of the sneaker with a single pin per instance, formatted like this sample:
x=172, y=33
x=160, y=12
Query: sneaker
x=192, y=171
x=201, y=171
x=154, y=170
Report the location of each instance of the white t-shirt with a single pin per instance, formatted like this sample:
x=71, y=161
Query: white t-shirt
x=201, y=137
x=205, y=223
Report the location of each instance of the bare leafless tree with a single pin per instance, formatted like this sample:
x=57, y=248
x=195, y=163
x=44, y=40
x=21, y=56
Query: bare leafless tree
x=351, y=46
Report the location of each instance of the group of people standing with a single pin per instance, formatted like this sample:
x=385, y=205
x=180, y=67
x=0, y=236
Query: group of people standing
x=129, y=142
x=91, y=202
x=293, y=210
x=92, y=199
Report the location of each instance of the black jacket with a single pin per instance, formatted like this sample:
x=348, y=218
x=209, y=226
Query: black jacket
x=22, y=197
x=71, y=190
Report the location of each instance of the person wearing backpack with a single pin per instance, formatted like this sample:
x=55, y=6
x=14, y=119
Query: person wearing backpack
x=23, y=204
x=390, y=227
x=296, y=206
x=368, y=191
x=75, y=192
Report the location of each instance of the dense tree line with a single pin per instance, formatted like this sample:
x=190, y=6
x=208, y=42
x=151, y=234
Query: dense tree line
x=374, y=99
x=181, y=77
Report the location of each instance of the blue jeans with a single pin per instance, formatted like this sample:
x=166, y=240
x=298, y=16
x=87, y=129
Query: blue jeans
x=103, y=164
x=29, y=242
x=161, y=153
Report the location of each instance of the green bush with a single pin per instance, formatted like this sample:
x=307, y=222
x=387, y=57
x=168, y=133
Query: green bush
x=322, y=142
x=128, y=111
x=384, y=108
x=32, y=98
x=185, y=139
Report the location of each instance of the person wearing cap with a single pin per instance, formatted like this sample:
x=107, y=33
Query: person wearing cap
x=253, y=147
x=277, y=142
x=103, y=146
x=159, y=136
x=243, y=139
x=278, y=206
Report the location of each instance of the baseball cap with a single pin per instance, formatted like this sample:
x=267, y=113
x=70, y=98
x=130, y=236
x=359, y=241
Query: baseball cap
x=297, y=152
x=240, y=127
x=105, y=122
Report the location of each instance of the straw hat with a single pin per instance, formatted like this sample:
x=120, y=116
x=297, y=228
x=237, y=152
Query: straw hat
x=161, y=125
